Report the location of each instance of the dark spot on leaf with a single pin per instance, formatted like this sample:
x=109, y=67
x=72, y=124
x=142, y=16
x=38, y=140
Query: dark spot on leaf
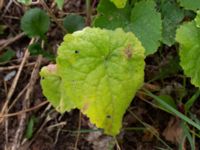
x=128, y=51
x=42, y=78
x=108, y=116
x=76, y=51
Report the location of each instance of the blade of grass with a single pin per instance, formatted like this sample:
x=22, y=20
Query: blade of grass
x=160, y=148
x=194, y=117
x=172, y=110
x=134, y=129
x=181, y=145
x=149, y=128
x=83, y=131
x=186, y=131
x=191, y=101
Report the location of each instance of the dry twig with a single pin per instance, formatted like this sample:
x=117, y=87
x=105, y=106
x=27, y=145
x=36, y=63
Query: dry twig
x=11, y=91
x=11, y=40
x=78, y=133
x=15, y=81
x=26, y=104
x=16, y=66
x=26, y=110
x=52, y=16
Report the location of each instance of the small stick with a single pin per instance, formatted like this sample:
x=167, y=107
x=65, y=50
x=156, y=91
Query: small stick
x=15, y=81
x=18, y=96
x=11, y=91
x=26, y=110
x=15, y=67
x=12, y=17
x=26, y=104
x=7, y=7
x=11, y=40
x=78, y=133
x=88, y=12
x=117, y=144
x=52, y=15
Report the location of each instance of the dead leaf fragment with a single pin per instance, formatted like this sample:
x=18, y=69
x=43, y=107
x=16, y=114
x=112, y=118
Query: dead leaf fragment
x=1, y=4
x=149, y=134
x=100, y=141
x=173, y=132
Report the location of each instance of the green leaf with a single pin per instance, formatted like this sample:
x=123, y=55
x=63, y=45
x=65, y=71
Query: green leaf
x=172, y=110
x=143, y=20
x=119, y=3
x=190, y=4
x=110, y=17
x=147, y=25
x=26, y=2
x=6, y=56
x=35, y=22
x=167, y=99
x=29, y=129
x=2, y=28
x=172, y=15
x=197, y=19
x=73, y=23
x=189, y=40
x=60, y=3
x=97, y=72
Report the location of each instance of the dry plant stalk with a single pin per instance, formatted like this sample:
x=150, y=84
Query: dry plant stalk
x=11, y=40
x=26, y=104
x=11, y=91
x=15, y=81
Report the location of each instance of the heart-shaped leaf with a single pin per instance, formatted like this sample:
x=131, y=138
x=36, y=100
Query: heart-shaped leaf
x=97, y=71
x=35, y=22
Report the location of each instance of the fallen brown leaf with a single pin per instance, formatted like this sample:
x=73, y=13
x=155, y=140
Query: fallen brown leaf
x=99, y=141
x=1, y=4
x=173, y=132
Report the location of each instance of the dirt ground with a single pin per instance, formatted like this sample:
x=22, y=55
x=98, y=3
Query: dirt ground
x=40, y=127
